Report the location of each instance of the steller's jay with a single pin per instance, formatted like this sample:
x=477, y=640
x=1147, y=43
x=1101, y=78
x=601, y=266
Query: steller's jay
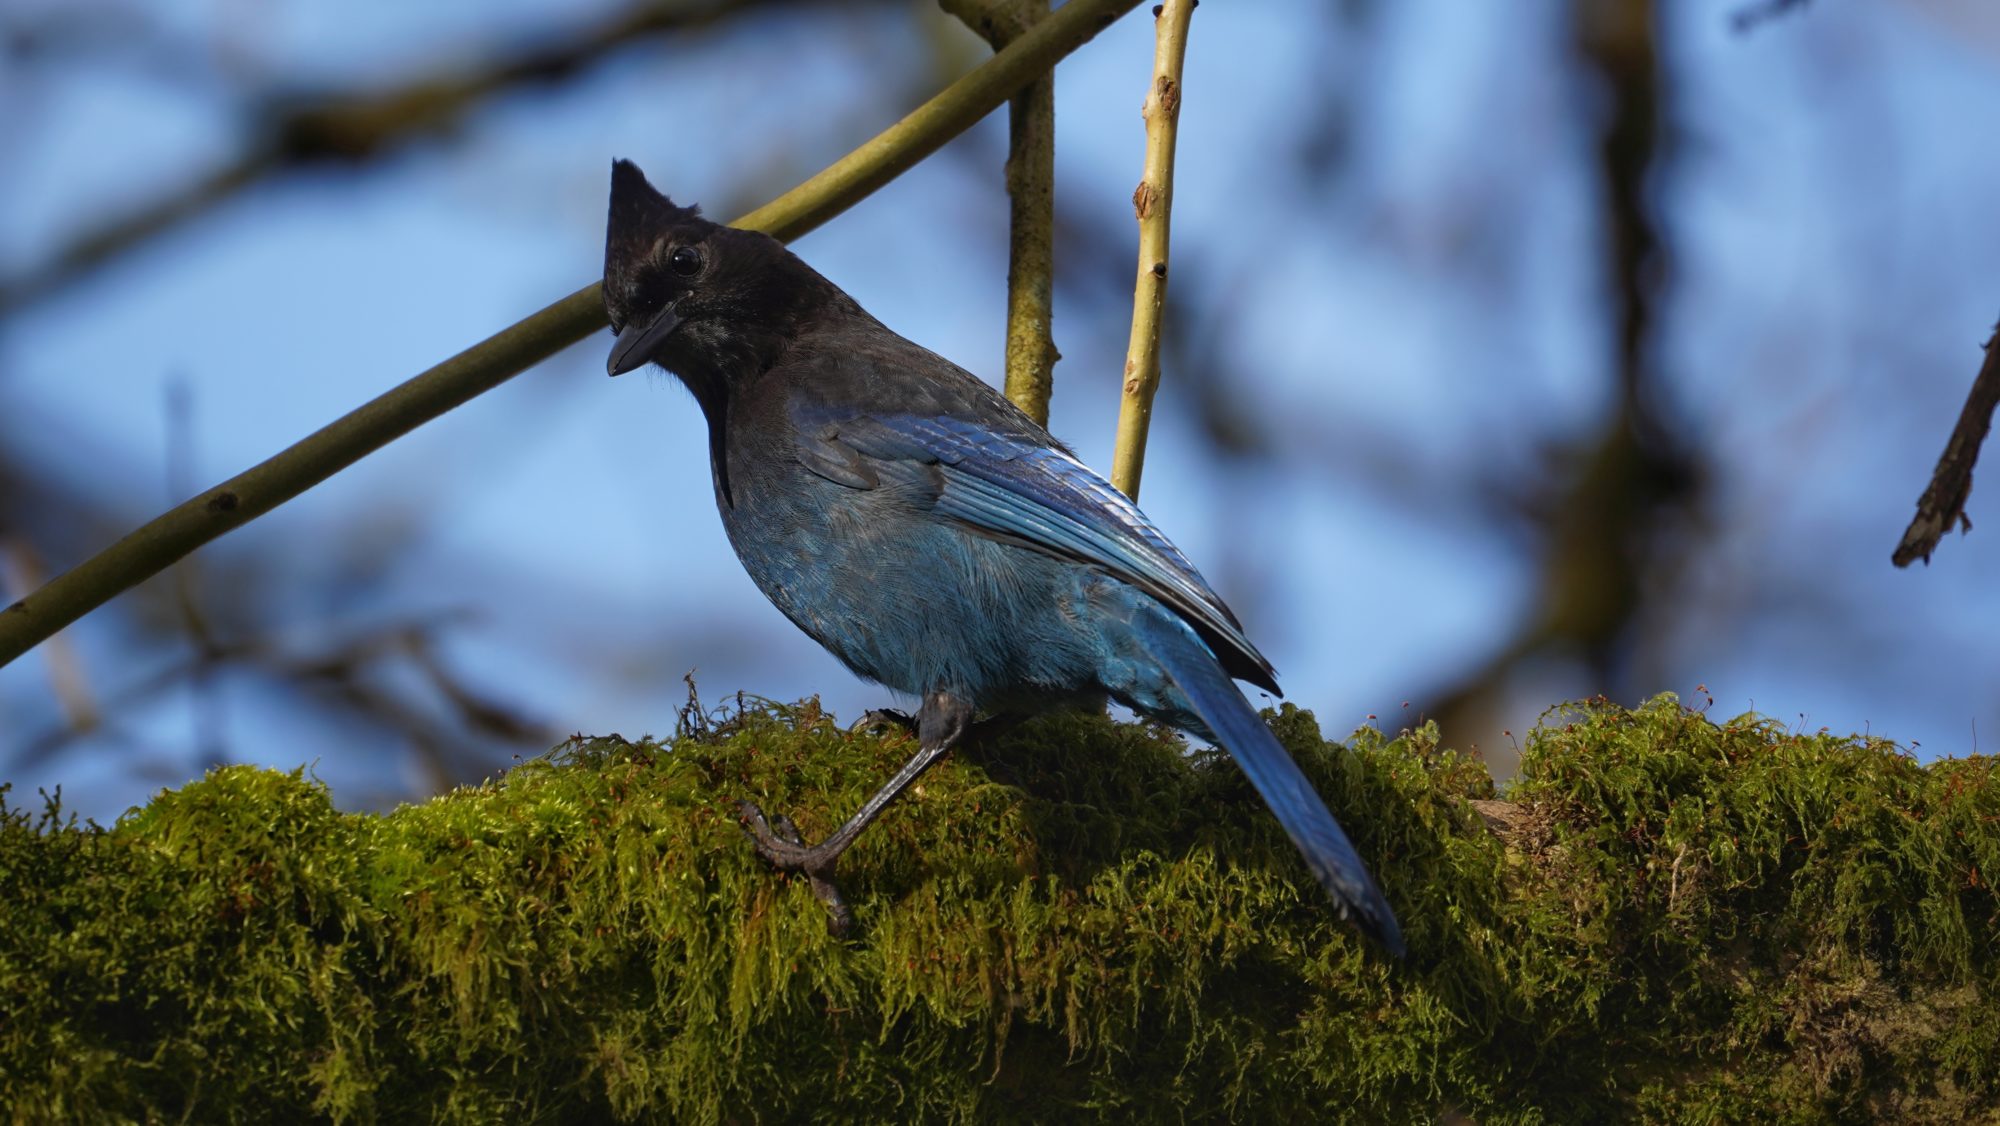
x=936, y=539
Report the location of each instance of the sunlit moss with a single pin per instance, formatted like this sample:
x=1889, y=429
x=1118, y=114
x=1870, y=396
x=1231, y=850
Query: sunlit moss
x=1668, y=918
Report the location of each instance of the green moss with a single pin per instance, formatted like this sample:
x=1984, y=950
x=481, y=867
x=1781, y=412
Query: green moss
x=1671, y=920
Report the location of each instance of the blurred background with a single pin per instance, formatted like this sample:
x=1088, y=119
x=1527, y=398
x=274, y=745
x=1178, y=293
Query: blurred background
x=1518, y=353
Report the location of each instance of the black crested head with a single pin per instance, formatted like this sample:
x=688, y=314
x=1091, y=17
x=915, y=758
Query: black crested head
x=653, y=251
x=638, y=214
x=710, y=303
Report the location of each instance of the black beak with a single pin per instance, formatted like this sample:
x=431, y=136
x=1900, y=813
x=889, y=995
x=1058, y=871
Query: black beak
x=637, y=342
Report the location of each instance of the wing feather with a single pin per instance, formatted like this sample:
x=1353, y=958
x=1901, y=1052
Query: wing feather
x=1019, y=487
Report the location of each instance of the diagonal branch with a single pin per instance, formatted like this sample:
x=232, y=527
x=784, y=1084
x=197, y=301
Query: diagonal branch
x=480, y=368
x=1943, y=503
x=1153, y=201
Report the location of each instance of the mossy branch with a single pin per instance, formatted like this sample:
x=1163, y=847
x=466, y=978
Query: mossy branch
x=1031, y=179
x=1665, y=919
x=172, y=535
x=1153, y=203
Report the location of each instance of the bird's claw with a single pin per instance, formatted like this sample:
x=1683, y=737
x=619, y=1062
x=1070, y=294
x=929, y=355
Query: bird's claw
x=778, y=842
x=784, y=830
x=881, y=719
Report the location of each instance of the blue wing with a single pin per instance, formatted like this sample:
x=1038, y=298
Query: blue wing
x=1017, y=486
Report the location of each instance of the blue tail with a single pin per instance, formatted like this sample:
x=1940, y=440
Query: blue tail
x=1238, y=729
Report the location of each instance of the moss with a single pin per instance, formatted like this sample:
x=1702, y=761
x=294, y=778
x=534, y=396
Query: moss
x=1666, y=919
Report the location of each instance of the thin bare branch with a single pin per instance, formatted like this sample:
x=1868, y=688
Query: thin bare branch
x=1031, y=175
x=1153, y=203
x=486, y=365
x=1943, y=504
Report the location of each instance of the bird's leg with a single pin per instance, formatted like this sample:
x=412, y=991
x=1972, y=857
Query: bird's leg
x=941, y=721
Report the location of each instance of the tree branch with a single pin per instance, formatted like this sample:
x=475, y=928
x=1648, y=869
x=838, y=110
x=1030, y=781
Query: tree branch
x=1153, y=202
x=589, y=939
x=1943, y=503
x=1031, y=174
x=480, y=368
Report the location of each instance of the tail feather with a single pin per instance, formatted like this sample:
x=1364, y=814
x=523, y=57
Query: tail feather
x=1242, y=732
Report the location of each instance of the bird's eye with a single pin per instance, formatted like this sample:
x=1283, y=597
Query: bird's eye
x=685, y=261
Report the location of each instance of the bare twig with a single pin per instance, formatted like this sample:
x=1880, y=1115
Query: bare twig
x=1153, y=202
x=1031, y=173
x=486, y=365
x=1943, y=504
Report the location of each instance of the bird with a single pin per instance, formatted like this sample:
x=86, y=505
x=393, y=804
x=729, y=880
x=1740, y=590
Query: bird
x=928, y=533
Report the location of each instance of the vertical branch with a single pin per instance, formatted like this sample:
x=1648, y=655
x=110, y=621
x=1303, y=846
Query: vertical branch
x=1618, y=521
x=203, y=698
x=1152, y=202
x=1031, y=191
x=1031, y=175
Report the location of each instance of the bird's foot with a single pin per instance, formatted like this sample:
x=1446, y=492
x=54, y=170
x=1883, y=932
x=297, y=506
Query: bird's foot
x=889, y=719
x=779, y=843
x=882, y=719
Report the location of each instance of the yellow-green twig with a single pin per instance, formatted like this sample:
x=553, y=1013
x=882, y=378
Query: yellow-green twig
x=1153, y=202
x=1031, y=174
x=173, y=534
